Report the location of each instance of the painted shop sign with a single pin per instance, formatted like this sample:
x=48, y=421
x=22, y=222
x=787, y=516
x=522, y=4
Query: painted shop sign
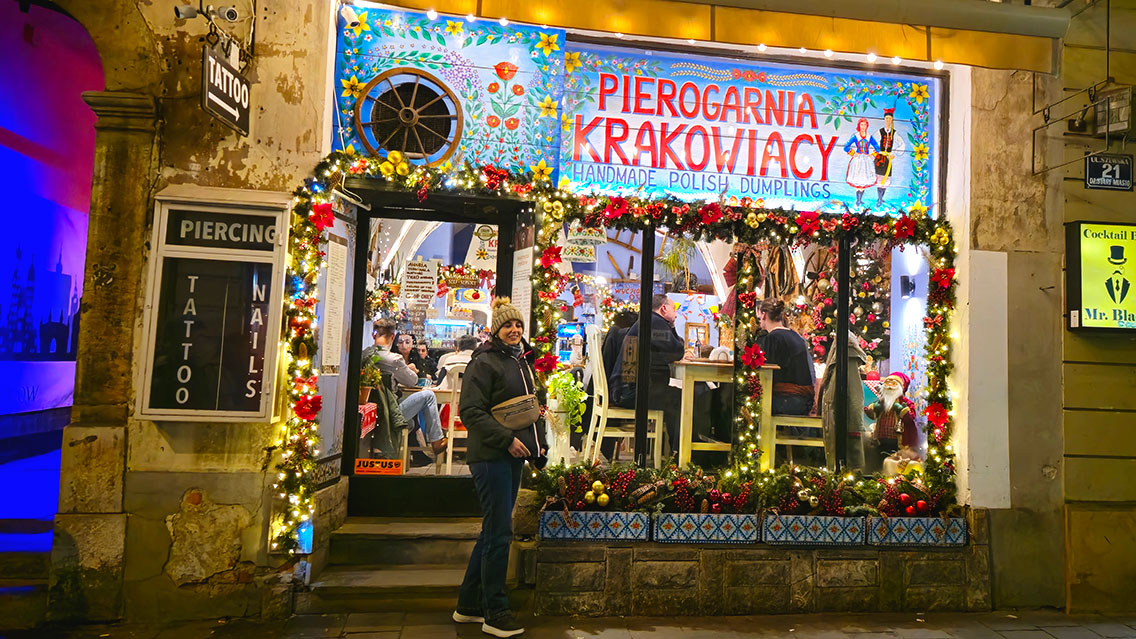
x=213, y=313
x=1098, y=277
x=609, y=119
x=792, y=136
x=224, y=91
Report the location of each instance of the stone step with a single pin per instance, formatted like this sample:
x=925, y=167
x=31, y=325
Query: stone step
x=423, y=588
x=23, y=603
x=389, y=541
x=24, y=564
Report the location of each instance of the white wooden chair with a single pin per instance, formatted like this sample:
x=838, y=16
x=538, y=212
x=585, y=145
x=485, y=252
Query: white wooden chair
x=454, y=373
x=602, y=410
x=815, y=424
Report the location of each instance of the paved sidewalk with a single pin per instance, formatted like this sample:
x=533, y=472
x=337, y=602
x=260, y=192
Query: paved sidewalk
x=1038, y=624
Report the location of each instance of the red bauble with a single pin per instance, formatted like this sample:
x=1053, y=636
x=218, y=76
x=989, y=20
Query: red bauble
x=716, y=509
x=910, y=510
x=921, y=506
x=905, y=499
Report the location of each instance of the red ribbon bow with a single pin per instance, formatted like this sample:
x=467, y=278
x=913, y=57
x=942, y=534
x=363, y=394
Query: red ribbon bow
x=929, y=322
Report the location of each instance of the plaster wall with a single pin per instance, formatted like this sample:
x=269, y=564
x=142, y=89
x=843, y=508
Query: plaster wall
x=170, y=520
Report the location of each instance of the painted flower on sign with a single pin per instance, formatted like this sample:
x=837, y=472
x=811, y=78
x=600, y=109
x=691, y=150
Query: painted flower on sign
x=505, y=70
x=518, y=89
x=548, y=43
x=919, y=93
x=541, y=170
x=494, y=87
x=919, y=152
x=362, y=25
x=548, y=107
x=453, y=27
x=351, y=87
x=571, y=61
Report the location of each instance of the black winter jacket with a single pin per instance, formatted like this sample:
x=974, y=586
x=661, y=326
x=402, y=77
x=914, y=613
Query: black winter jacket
x=491, y=377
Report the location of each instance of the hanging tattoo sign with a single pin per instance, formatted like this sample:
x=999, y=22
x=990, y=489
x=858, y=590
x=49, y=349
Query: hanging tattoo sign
x=212, y=316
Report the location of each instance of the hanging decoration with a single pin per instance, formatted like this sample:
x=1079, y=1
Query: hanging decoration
x=698, y=220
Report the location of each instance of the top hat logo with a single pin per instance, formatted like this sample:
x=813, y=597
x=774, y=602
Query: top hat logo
x=1117, y=256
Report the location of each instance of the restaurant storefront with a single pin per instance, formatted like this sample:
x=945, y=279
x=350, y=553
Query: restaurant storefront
x=588, y=172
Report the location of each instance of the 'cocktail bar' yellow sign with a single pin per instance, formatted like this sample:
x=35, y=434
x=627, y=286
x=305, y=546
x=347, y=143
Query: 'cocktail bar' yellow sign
x=1100, y=275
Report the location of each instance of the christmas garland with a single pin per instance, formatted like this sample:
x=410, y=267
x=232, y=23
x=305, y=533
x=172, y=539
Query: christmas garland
x=701, y=220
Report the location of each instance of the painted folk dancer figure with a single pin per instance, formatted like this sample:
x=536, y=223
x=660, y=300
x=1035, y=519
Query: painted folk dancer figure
x=890, y=144
x=861, y=168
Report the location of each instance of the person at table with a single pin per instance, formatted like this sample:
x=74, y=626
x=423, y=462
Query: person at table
x=501, y=370
x=429, y=365
x=421, y=404
x=666, y=348
x=794, y=383
x=405, y=348
x=613, y=340
x=466, y=345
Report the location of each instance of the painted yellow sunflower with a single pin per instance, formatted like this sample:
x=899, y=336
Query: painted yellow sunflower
x=351, y=87
x=362, y=26
x=541, y=171
x=571, y=61
x=920, y=152
x=919, y=93
x=548, y=107
x=453, y=28
x=548, y=43
x=565, y=122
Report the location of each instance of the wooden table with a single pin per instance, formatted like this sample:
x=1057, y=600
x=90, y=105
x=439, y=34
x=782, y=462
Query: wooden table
x=691, y=371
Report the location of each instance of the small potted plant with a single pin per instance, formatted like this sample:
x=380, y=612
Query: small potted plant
x=369, y=378
x=566, y=406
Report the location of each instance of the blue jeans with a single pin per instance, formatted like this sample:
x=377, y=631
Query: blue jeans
x=424, y=406
x=483, y=588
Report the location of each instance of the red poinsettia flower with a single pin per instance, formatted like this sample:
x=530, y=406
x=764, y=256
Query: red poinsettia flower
x=943, y=277
x=904, y=227
x=505, y=70
x=546, y=363
x=710, y=213
x=808, y=221
x=322, y=215
x=937, y=414
x=550, y=256
x=616, y=207
x=753, y=356
x=307, y=407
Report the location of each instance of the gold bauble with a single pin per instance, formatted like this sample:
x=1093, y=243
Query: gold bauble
x=885, y=324
x=598, y=487
x=828, y=320
x=862, y=294
x=823, y=284
x=761, y=217
x=752, y=220
x=602, y=500
x=814, y=502
x=589, y=497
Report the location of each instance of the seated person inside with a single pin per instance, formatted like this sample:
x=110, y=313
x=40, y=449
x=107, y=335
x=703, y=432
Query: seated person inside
x=421, y=404
x=460, y=357
x=666, y=348
x=794, y=383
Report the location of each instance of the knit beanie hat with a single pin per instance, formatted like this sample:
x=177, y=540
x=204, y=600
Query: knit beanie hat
x=503, y=311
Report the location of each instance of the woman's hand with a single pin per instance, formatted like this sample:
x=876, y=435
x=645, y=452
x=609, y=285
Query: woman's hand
x=518, y=450
x=412, y=367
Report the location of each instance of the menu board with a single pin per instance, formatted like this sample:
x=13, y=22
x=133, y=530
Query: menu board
x=1098, y=277
x=213, y=313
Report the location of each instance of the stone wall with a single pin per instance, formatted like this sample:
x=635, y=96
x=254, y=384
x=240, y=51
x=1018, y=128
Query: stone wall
x=604, y=579
x=171, y=519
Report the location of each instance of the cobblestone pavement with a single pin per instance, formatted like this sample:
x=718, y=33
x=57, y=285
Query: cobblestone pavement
x=1036, y=624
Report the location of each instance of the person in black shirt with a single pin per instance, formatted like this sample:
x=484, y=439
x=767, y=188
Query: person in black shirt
x=613, y=341
x=429, y=365
x=794, y=384
x=666, y=348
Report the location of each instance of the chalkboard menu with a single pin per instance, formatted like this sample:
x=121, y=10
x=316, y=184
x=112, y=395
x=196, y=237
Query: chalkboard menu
x=214, y=312
x=212, y=332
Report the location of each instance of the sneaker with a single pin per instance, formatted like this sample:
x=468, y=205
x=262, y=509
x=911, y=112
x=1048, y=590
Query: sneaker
x=469, y=616
x=503, y=626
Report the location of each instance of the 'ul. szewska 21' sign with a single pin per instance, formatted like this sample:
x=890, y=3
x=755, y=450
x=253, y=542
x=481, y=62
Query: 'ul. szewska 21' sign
x=790, y=136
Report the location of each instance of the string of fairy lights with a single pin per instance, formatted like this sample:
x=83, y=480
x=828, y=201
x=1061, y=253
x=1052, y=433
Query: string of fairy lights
x=557, y=205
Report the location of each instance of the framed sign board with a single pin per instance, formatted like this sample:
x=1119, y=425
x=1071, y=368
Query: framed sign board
x=1100, y=276
x=213, y=305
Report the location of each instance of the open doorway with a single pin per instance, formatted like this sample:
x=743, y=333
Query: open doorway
x=424, y=277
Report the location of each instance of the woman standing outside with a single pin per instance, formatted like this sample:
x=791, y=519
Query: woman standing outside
x=499, y=371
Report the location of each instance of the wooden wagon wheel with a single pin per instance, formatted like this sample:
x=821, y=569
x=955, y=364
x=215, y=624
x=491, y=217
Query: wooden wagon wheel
x=411, y=111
